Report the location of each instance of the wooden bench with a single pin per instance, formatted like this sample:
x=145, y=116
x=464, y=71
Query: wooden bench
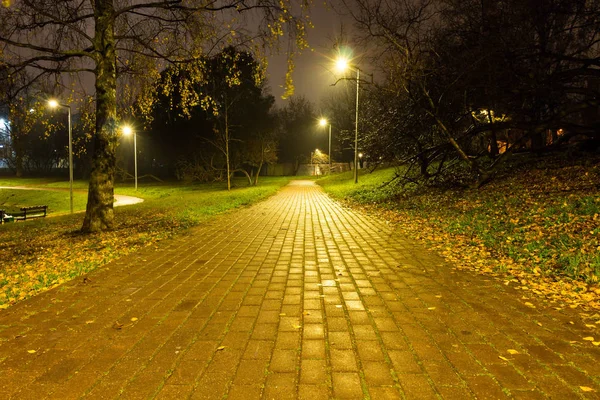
x=32, y=212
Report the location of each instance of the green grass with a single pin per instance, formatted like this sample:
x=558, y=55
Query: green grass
x=371, y=187
x=11, y=200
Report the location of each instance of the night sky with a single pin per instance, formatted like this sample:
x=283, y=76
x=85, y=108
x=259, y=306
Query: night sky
x=313, y=73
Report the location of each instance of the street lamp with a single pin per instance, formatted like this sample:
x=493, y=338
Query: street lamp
x=342, y=64
x=128, y=131
x=53, y=104
x=324, y=122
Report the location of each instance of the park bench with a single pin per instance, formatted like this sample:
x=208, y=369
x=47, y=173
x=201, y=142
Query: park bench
x=32, y=212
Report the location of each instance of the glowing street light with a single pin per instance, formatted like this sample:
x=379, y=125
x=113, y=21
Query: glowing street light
x=323, y=122
x=52, y=103
x=128, y=131
x=342, y=64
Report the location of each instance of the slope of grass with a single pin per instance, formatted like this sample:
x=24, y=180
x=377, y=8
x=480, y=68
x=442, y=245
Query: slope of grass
x=39, y=254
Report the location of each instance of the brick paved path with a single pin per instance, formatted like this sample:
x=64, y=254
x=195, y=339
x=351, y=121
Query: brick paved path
x=296, y=297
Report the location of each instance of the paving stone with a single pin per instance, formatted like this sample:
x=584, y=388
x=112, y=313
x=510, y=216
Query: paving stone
x=346, y=385
x=313, y=372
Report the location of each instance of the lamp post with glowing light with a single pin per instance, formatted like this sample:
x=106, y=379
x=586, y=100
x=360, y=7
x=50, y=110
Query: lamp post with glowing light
x=324, y=122
x=52, y=103
x=128, y=131
x=342, y=64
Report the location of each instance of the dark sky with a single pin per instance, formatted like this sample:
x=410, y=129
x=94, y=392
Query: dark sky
x=313, y=72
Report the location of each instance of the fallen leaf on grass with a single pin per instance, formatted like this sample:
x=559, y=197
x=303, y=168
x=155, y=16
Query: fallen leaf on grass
x=91, y=321
x=528, y=304
x=590, y=326
x=117, y=325
x=134, y=319
x=589, y=338
x=282, y=314
x=512, y=351
x=503, y=358
x=431, y=308
x=296, y=326
x=221, y=348
x=586, y=389
x=596, y=343
x=31, y=351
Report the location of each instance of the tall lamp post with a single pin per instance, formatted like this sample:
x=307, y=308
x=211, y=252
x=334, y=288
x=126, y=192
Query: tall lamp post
x=128, y=131
x=342, y=64
x=52, y=103
x=324, y=122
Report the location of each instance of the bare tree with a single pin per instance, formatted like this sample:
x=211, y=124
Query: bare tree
x=105, y=38
x=474, y=68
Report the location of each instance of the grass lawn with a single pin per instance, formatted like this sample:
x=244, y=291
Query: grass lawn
x=39, y=254
x=539, y=226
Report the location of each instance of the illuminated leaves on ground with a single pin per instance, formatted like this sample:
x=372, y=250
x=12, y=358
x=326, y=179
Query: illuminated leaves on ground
x=39, y=255
x=539, y=231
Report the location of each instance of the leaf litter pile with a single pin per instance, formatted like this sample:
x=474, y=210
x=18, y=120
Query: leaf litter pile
x=41, y=254
x=537, y=229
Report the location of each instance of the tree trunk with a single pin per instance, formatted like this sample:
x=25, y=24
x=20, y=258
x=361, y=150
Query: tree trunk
x=18, y=165
x=99, y=213
x=227, y=147
x=494, y=151
x=258, y=173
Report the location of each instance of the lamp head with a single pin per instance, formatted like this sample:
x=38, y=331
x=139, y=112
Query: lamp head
x=323, y=122
x=342, y=64
x=127, y=130
x=52, y=103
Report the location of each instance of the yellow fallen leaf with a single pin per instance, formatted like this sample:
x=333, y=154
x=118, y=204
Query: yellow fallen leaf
x=31, y=351
x=590, y=326
x=91, y=321
x=431, y=308
x=503, y=358
x=338, y=306
x=134, y=319
x=586, y=389
x=439, y=296
x=589, y=338
x=296, y=326
x=282, y=314
x=596, y=343
x=528, y=304
x=221, y=348
x=512, y=351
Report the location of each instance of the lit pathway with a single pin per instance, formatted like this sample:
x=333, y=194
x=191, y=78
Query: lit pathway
x=120, y=199
x=296, y=297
